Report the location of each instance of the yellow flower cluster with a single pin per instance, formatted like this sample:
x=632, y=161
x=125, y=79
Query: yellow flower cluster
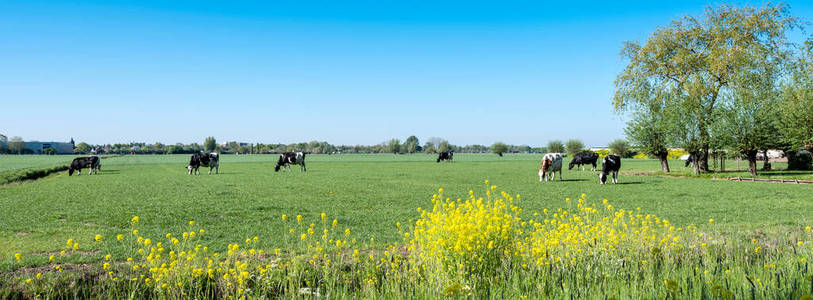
x=479, y=235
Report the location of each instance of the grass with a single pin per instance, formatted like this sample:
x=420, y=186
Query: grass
x=19, y=162
x=368, y=193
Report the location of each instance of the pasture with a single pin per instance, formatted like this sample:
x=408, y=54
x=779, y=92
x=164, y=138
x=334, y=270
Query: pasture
x=366, y=193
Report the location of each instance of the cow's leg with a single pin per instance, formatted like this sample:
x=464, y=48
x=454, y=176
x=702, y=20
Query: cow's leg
x=304, y=169
x=217, y=169
x=615, y=177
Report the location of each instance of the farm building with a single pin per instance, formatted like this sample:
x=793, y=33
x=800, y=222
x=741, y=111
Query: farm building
x=37, y=146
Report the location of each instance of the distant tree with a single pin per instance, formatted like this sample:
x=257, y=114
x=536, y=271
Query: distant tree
x=16, y=145
x=3, y=138
x=429, y=148
x=49, y=151
x=444, y=146
x=394, y=146
x=619, y=147
x=412, y=144
x=210, y=144
x=574, y=146
x=556, y=146
x=82, y=148
x=499, y=148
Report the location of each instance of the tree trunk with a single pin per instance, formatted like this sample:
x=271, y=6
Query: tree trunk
x=703, y=159
x=696, y=163
x=664, y=163
x=766, y=166
x=751, y=155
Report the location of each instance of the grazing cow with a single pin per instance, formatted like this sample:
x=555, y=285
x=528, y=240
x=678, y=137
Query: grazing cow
x=582, y=159
x=286, y=159
x=611, y=164
x=551, y=163
x=211, y=160
x=79, y=163
x=689, y=160
x=445, y=156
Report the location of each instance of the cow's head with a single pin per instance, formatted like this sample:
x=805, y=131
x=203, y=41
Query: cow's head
x=545, y=165
x=572, y=163
x=602, y=177
x=276, y=168
x=70, y=171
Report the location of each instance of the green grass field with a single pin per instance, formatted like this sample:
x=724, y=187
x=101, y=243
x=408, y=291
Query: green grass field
x=368, y=193
x=19, y=162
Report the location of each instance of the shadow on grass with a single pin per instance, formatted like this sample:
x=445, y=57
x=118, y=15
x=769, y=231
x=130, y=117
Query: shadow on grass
x=573, y=180
x=633, y=182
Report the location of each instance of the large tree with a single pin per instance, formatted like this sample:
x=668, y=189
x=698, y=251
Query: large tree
x=747, y=121
x=650, y=129
x=796, y=111
x=696, y=58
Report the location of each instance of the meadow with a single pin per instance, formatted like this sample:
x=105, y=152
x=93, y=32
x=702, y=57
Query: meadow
x=377, y=197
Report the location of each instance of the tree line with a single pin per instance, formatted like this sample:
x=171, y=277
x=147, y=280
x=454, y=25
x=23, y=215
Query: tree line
x=726, y=81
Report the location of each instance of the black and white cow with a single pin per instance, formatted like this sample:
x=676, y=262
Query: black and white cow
x=611, y=164
x=584, y=158
x=689, y=160
x=445, y=156
x=79, y=163
x=211, y=160
x=286, y=159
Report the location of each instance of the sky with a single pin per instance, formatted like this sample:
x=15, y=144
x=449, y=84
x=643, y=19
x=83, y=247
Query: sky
x=346, y=72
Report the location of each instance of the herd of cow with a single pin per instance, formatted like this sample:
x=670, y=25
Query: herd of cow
x=551, y=163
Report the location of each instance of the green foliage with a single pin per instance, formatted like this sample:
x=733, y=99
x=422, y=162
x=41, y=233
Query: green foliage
x=444, y=146
x=48, y=151
x=556, y=146
x=574, y=146
x=499, y=148
x=697, y=60
x=621, y=148
x=796, y=112
x=209, y=144
x=411, y=144
x=82, y=148
x=394, y=146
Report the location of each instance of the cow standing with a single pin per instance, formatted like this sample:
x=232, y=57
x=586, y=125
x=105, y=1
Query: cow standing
x=79, y=163
x=211, y=160
x=584, y=158
x=447, y=155
x=286, y=159
x=551, y=163
x=611, y=164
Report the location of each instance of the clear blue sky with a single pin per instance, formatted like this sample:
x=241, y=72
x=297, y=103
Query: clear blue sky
x=345, y=72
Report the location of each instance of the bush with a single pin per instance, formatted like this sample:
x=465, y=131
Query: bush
x=556, y=146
